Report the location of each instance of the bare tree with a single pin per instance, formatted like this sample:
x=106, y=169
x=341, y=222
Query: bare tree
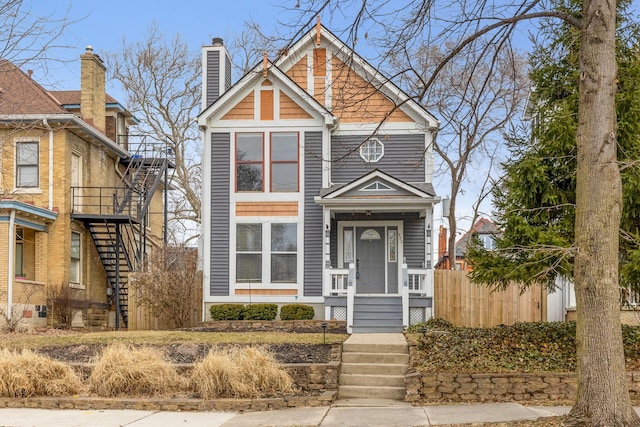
x=26, y=36
x=477, y=94
x=171, y=286
x=162, y=80
x=602, y=396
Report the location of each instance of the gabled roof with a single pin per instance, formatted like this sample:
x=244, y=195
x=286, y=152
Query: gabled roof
x=339, y=190
x=71, y=99
x=20, y=94
x=360, y=66
x=255, y=75
x=482, y=226
x=407, y=197
x=24, y=100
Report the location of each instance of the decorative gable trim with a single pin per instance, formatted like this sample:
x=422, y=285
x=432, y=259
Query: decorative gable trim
x=251, y=79
x=365, y=70
x=381, y=178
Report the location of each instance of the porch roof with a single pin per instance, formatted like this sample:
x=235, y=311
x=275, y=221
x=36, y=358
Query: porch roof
x=27, y=215
x=407, y=197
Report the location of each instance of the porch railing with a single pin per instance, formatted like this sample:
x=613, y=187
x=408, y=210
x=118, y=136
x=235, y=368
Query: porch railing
x=337, y=281
x=420, y=281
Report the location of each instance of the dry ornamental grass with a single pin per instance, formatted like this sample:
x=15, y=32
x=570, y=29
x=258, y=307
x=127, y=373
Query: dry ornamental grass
x=122, y=370
x=25, y=374
x=240, y=373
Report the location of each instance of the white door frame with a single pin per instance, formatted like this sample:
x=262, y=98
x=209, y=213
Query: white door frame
x=400, y=242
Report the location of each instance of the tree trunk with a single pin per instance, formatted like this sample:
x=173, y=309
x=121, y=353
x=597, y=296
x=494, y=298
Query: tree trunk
x=602, y=396
x=453, y=228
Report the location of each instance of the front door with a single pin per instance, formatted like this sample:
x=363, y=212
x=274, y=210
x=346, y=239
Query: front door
x=370, y=260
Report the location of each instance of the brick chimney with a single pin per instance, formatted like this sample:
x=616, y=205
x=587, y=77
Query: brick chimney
x=442, y=242
x=92, y=89
x=216, y=72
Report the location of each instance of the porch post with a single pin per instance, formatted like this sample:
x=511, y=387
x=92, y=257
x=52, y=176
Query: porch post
x=351, y=292
x=10, y=272
x=405, y=295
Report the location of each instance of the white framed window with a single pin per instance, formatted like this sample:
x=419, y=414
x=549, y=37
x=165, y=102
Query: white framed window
x=348, y=245
x=249, y=162
x=372, y=150
x=249, y=253
x=75, y=257
x=284, y=162
x=284, y=253
x=27, y=164
x=392, y=241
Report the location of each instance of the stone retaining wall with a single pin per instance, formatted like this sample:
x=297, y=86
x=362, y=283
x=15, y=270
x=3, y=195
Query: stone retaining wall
x=157, y=404
x=541, y=387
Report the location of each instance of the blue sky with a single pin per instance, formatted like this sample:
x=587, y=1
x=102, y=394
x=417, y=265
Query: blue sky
x=103, y=24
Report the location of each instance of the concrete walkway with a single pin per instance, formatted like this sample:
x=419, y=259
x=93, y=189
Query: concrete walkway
x=356, y=412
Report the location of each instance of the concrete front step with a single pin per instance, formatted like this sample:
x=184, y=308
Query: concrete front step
x=376, y=329
x=375, y=358
x=373, y=366
x=369, y=369
x=373, y=380
x=400, y=348
x=368, y=392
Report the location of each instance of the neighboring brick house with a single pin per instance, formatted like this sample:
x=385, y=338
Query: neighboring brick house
x=484, y=229
x=74, y=208
x=317, y=187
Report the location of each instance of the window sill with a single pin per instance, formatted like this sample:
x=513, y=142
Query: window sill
x=76, y=285
x=27, y=281
x=20, y=190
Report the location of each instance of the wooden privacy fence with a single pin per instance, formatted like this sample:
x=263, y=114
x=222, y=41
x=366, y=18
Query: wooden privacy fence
x=463, y=303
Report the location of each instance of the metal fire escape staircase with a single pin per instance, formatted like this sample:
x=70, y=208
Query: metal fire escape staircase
x=117, y=218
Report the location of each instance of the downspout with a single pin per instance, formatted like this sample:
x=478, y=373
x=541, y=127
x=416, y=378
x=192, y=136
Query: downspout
x=12, y=236
x=46, y=125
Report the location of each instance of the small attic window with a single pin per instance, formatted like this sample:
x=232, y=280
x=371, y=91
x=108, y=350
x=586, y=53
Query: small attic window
x=372, y=150
x=377, y=186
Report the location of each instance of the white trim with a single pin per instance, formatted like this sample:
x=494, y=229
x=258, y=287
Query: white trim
x=386, y=224
x=363, y=69
x=381, y=176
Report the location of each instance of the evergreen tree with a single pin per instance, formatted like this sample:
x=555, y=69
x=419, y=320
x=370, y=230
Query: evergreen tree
x=535, y=200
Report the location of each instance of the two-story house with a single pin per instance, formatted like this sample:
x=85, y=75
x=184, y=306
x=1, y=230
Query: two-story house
x=75, y=202
x=317, y=186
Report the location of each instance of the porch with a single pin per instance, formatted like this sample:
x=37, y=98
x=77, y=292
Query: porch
x=371, y=313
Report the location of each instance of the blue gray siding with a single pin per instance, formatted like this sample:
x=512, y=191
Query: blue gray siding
x=213, y=76
x=403, y=158
x=220, y=169
x=414, y=242
x=312, y=214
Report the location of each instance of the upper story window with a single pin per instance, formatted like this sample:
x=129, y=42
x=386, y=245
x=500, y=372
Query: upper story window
x=487, y=241
x=284, y=161
x=281, y=157
x=372, y=150
x=27, y=164
x=249, y=162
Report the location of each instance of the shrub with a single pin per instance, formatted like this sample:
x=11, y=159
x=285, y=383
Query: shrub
x=261, y=312
x=239, y=373
x=26, y=374
x=122, y=370
x=227, y=312
x=296, y=312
